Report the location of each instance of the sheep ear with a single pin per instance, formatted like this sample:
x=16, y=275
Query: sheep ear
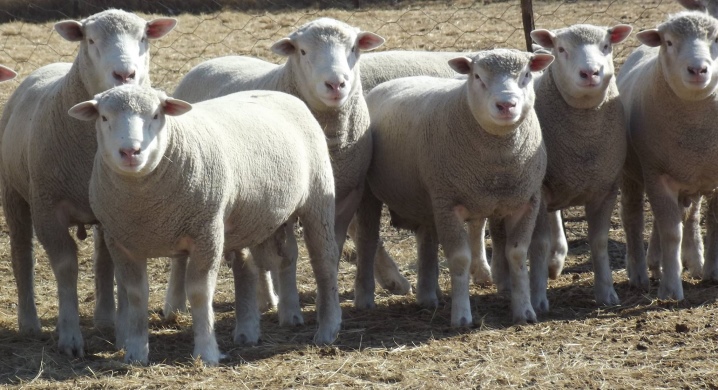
x=543, y=38
x=284, y=47
x=649, y=37
x=369, y=41
x=461, y=64
x=693, y=4
x=71, y=30
x=619, y=33
x=157, y=28
x=6, y=73
x=175, y=107
x=540, y=61
x=85, y=111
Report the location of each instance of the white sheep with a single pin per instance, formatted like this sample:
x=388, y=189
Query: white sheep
x=321, y=69
x=449, y=151
x=583, y=127
x=6, y=73
x=233, y=172
x=380, y=67
x=709, y=6
x=46, y=160
x=668, y=89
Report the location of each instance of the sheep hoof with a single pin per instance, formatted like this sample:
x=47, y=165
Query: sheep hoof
x=71, y=344
x=246, y=337
x=540, y=305
x=608, y=297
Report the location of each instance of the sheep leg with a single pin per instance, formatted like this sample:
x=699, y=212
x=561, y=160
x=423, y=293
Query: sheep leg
x=104, y=281
x=499, y=263
x=454, y=240
x=519, y=229
x=559, y=245
x=285, y=259
x=366, y=239
x=692, y=244
x=267, y=299
x=667, y=219
x=324, y=258
x=654, y=254
x=598, y=216
x=176, y=297
x=19, y=221
x=246, y=313
x=632, y=220
x=539, y=248
x=710, y=267
x=479, y=269
x=200, y=282
x=386, y=271
x=131, y=330
x=62, y=252
x=427, y=289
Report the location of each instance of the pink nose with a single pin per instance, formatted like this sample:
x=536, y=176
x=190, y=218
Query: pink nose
x=335, y=87
x=124, y=76
x=698, y=70
x=127, y=153
x=505, y=106
x=589, y=74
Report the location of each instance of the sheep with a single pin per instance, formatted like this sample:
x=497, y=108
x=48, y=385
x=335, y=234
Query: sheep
x=583, y=127
x=379, y=67
x=46, y=161
x=708, y=6
x=448, y=151
x=668, y=89
x=231, y=173
x=321, y=70
x=6, y=73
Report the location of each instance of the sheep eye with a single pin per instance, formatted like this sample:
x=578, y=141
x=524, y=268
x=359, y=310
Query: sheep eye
x=156, y=116
x=605, y=46
x=561, y=50
x=716, y=40
x=528, y=74
x=669, y=43
x=104, y=118
x=91, y=42
x=303, y=52
x=354, y=48
x=143, y=39
x=476, y=76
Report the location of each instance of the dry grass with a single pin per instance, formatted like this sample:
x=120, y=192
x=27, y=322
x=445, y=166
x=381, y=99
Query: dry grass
x=644, y=343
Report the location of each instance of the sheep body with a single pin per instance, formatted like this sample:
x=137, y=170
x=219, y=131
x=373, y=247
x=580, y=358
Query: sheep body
x=229, y=174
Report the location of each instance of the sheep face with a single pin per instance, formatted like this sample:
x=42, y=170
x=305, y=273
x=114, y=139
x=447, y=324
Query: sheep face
x=708, y=6
x=114, y=48
x=688, y=44
x=325, y=54
x=500, y=86
x=130, y=124
x=6, y=74
x=583, y=68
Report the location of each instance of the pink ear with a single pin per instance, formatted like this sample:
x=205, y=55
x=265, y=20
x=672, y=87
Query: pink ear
x=693, y=4
x=543, y=38
x=619, y=33
x=6, y=73
x=649, y=37
x=540, y=62
x=461, y=64
x=71, y=30
x=284, y=47
x=175, y=107
x=85, y=111
x=157, y=28
x=369, y=41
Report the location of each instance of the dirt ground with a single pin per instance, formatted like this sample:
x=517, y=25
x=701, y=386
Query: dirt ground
x=644, y=343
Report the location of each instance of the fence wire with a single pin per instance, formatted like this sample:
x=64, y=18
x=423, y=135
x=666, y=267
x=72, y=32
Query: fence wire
x=208, y=29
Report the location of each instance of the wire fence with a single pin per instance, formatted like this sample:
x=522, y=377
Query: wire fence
x=208, y=29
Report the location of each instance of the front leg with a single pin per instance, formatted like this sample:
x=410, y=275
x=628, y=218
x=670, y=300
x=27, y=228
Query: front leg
x=480, y=271
x=200, y=283
x=519, y=229
x=663, y=195
x=131, y=330
x=598, y=216
x=453, y=238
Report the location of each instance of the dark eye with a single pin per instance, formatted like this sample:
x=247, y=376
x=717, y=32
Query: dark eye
x=91, y=42
x=143, y=39
x=669, y=43
x=605, y=47
x=716, y=40
x=528, y=74
x=104, y=118
x=156, y=116
x=561, y=50
x=476, y=76
x=303, y=52
x=354, y=48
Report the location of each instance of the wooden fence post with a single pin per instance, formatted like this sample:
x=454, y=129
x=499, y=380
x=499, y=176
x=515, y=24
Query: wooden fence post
x=527, y=16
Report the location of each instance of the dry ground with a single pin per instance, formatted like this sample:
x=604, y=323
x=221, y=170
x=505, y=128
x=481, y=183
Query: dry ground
x=644, y=343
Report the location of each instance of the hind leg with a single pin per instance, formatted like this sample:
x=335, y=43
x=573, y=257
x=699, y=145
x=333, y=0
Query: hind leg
x=480, y=271
x=559, y=245
x=692, y=243
x=246, y=313
x=104, y=281
x=499, y=263
x=710, y=267
x=598, y=215
x=19, y=221
x=176, y=297
x=632, y=220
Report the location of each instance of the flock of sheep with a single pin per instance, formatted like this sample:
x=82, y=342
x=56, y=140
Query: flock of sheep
x=244, y=149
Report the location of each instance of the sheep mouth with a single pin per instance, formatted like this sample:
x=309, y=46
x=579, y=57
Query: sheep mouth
x=335, y=100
